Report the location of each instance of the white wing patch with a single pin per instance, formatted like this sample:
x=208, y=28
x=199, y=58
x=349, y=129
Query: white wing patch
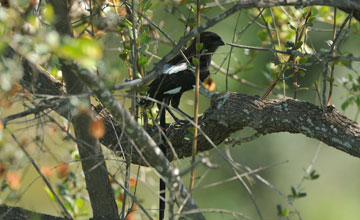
x=173, y=91
x=170, y=69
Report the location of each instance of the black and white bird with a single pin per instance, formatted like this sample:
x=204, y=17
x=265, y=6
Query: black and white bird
x=178, y=75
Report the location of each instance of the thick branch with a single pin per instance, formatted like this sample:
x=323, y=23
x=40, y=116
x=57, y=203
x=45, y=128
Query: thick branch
x=350, y=4
x=231, y=112
x=92, y=159
x=8, y=212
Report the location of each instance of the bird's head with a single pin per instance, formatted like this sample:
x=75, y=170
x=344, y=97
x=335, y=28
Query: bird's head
x=210, y=40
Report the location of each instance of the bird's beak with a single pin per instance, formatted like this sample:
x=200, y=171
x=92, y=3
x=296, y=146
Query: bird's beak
x=221, y=43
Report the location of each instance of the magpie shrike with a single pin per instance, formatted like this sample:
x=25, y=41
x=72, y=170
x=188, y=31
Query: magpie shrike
x=178, y=75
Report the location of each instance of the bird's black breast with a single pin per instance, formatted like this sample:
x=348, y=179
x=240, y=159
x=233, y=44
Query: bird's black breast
x=171, y=84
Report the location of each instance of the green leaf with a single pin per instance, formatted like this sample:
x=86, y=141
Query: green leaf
x=142, y=61
x=311, y=19
x=79, y=203
x=345, y=62
x=126, y=22
x=199, y=46
x=314, y=175
x=51, y=196
x=196, y=61
x=146, y=5
x=283, y=212
x=286, y=212
x=124, y=55
x=191, y=130
x=301, y=195
x=303, y=60
x=268, y=19
x=293, y=191
x=358, y=101
x=347, y=103
x=144, y=38
x=279, y=209
x=85, y=51
x=188, y=137
x=298, y=45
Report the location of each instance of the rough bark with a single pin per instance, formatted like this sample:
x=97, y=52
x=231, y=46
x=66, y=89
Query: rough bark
x=231, y=112
x=17, y=213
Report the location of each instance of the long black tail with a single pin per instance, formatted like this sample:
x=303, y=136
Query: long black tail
x=163, y=149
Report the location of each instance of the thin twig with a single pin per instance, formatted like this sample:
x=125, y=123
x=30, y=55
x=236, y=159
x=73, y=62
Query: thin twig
x=231, y=49
x=332, y=65
x=66, y=213
x=332, y=48
x=196, y=107
x=319, y=57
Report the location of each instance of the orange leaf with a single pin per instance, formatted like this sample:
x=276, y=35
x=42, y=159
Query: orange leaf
x=62, y=170
x=15, y=89
x=2, y=169
x=34, y=2
x=97, y=128
x=5, y=102
x=131, y=216
x=210, y=84
x=1, y=126
x=132, y=182
x=13, y=179
x=121, y=197
x=47, y=171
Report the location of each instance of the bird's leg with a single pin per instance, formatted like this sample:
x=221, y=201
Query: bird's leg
x=162, y=185
x=172, y=115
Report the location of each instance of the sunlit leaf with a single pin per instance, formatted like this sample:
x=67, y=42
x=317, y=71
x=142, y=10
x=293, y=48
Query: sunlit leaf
x=210, y=84
x=14, y=179
x=142, y=61
x=50, y=194
x=132, y=182
x=47, y=171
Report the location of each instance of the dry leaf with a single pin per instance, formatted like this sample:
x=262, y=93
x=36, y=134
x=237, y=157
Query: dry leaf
x=13, y=179
x=62, y=170
x=47, y=170
x=210, y=84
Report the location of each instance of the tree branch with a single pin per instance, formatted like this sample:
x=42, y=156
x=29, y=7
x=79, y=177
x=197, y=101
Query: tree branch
x=98, y=185
x=10, y=212
x=145, y=146
x=344, y=134
x=231, y=112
